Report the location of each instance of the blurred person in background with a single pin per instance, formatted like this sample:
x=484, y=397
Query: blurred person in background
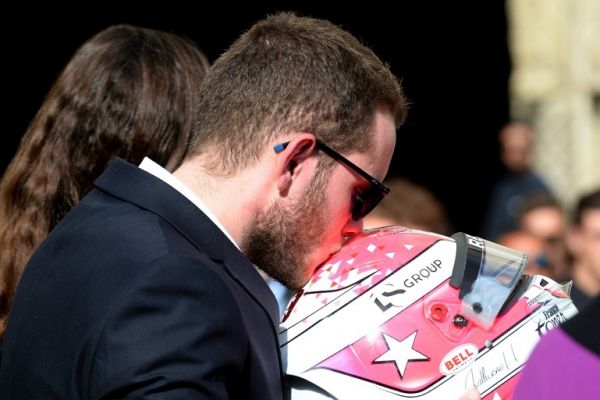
x=410, y=205
x=518, y=182
x=532, y=246
x=544, y=217
x=584, y=243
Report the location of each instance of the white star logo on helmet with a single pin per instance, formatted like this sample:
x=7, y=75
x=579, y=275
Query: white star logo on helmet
x=400, y=352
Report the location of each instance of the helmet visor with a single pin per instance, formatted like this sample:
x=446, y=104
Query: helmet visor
x=485, y=273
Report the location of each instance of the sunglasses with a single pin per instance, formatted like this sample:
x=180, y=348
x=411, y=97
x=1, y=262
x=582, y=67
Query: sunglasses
x=364, y=201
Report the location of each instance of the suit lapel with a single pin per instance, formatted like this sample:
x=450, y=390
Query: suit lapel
x=134, y=185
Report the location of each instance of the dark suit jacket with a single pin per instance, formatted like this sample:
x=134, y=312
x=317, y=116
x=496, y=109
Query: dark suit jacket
x=137, y=294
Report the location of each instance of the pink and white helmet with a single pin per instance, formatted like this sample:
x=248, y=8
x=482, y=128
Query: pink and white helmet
x=399, y=314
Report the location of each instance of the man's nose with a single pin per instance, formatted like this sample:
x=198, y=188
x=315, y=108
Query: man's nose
x=352, y=228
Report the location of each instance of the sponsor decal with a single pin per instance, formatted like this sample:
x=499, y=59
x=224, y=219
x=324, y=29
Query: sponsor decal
x=492, y=371
x=391, y=293
x=552, y=318
x=475, y=241
x=458, y=359
x=400, y=352
x=538, y=299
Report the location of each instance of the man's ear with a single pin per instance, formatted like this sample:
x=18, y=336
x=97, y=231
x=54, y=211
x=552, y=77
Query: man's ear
x=291, y=160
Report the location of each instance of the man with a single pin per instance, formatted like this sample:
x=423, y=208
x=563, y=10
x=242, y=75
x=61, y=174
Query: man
x=518, y=183
x=142, y=290
x=544, y=217
x=584, y=240
x=531, y=245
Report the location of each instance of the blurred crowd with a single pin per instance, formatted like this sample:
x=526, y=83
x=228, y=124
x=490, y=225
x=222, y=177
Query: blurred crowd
x=522, y=213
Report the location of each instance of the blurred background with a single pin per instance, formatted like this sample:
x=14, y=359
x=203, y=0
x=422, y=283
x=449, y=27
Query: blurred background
x=468, y=68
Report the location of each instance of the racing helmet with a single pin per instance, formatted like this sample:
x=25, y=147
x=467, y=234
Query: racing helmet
x=400, y=313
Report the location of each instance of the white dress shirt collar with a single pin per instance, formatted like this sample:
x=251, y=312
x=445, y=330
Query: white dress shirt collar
x=153, y=168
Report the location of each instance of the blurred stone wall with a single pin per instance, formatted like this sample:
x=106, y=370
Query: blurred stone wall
x=555, y=84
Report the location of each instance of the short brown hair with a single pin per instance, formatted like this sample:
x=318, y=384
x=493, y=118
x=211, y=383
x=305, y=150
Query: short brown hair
x=291, y=73
x=587, y=202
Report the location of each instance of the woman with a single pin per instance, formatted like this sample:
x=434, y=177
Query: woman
x=128, y=92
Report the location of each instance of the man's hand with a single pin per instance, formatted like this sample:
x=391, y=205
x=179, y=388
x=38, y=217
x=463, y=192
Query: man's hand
x=471, y=394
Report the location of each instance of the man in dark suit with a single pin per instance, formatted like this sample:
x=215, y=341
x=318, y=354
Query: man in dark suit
x=147, y=288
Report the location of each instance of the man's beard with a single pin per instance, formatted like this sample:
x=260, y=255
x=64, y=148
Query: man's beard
x=280, y=239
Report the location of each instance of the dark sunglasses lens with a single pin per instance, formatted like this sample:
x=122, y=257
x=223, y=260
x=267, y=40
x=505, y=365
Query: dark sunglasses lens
x=365, y=202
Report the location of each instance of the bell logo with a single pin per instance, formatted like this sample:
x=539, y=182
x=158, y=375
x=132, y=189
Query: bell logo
x=458, y=359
